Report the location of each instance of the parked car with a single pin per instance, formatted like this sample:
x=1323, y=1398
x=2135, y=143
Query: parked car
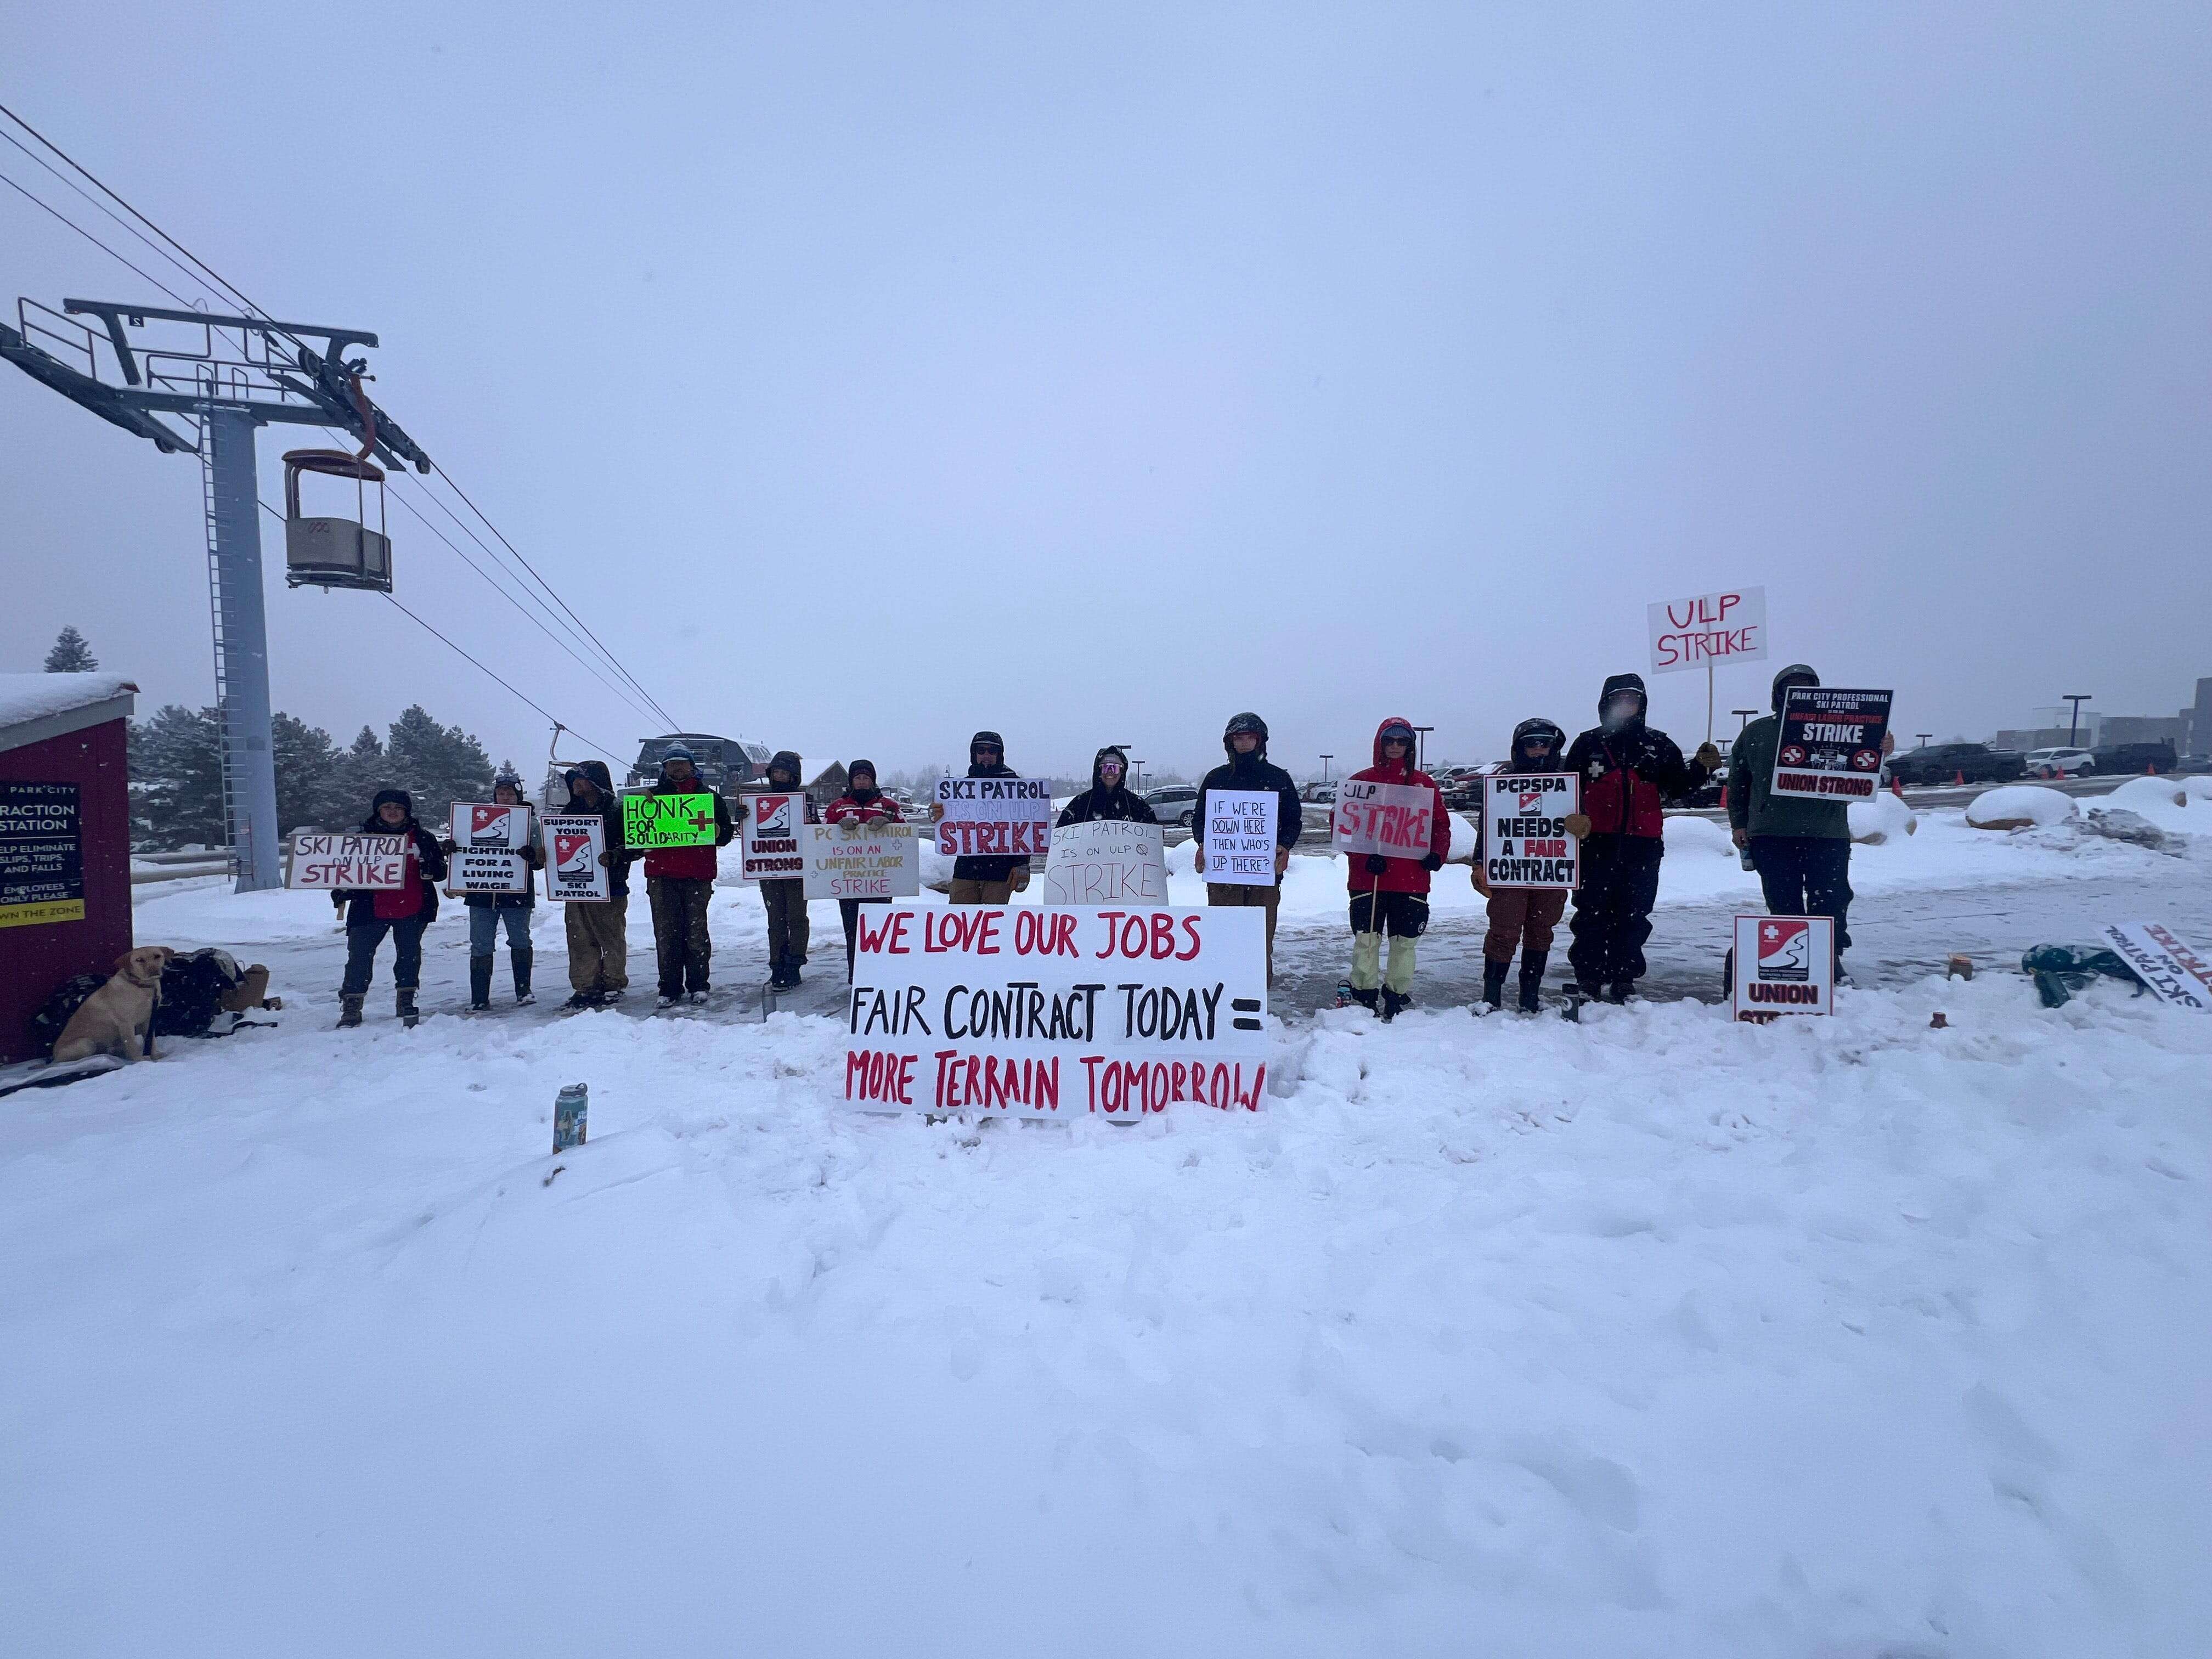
x=2061, y=762
x=2134, y=757
x=1946, y=762
x=1174, y=803
x=1319, y=794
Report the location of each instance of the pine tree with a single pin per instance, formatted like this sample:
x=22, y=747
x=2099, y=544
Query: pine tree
x=436, y=764
x=176, y=780
x=71, y=654
x=309, y=791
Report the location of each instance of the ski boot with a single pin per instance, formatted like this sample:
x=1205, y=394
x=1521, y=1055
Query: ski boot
x=1494, y=984
x=1532, y=981
x=349, y=1009
x=479, y=985
x=404, y=1007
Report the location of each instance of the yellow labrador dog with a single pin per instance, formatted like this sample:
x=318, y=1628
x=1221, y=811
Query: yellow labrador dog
x=114, y=1018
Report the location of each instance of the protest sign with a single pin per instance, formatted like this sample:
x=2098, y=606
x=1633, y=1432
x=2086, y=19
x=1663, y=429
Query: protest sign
x=1026, y=1011
x=1397, y=820
x=1107, y=862
x=1240, y=837
x=370, y=863
x=485, y=870
x=1830, y=745
x=653, y=821
x=767, y=849
x=573, y=873
x=2174, y=973
x=994, y=817
x=1525, y=842
x=1784, y=966
x=1708, y=628
x=476, y=823
x=854, y=860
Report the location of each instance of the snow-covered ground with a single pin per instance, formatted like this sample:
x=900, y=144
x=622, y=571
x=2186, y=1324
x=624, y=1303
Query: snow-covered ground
x=1653, y=1334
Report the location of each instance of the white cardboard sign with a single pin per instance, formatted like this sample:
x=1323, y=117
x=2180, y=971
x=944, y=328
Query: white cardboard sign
x=1525, y=843
x=769, y=849
x=1240, y=837
x=1784, y=966
x=363, y=863
x=1708, y=628
x=2174, y=973
x=479, y=823
x=854, y=860
x=1107, y=862
x=1027, y=1010
x=573, y=874
x=1397, y=820
x=994, y=817
x=485, y=870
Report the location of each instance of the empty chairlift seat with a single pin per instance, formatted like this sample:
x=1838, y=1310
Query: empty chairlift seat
x=336, y=552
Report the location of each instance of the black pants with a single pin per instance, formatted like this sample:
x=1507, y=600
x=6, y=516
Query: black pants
x=1613, y=908
x=1805, y=876
x=1405, y=915
x=364, y=938
x=850, y=910
x=679, y=930
x=789, y=928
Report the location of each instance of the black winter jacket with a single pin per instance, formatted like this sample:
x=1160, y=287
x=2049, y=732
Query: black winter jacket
x=995, y=868
x=1099, y=805
x=1250, y=772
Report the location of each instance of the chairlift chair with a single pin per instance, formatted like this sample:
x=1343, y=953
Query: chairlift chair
x=336, y=552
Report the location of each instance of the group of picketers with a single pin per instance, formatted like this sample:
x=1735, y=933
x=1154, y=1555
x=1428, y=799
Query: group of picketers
x=1801, y=848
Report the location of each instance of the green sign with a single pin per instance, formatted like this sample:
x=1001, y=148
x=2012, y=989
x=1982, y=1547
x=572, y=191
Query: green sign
x=668, y=820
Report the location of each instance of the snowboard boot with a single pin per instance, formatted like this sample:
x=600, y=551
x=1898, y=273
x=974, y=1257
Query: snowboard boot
x=404, y=1007
x=523, y=995
x=1493, y=983
x=1532, y=981
x=349, y=1009
x=1363, y=996
x=479, y=985
x=1394, y=1003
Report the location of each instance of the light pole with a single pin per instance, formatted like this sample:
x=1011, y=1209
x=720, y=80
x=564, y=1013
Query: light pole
x=1136, y=773
x=1421, y=750
x=1742, y=718
x=2074, y=726
x=1921, y=738
x=1325, y=760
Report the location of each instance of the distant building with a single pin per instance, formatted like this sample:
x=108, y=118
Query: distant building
x=2200, y=721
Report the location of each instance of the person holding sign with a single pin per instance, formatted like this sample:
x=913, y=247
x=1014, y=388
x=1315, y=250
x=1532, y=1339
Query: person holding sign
x=404, y=913
x=979, y=879
x=1801, y=845
x=1108, y=798
x=599, y=935
x=1390, y=890
x=678, y=881
x=784, y=897
x=489, y=912
x=1628, y=771
x=1523, y=918
x=1248, y=770
x=862, y=803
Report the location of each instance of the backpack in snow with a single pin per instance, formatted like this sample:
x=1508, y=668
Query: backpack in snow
x=51, y=1021
x=192, y=990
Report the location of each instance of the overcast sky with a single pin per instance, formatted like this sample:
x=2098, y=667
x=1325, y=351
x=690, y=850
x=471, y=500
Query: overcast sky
x=865, y=374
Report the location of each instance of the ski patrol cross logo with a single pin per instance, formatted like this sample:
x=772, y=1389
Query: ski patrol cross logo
x=776, y=820
x=1785, y=950
x=1529, y=797
x=482, y=818
x=1597, y=768
x=1792, y=755
x=572, y=854
x=1784, y=965
x=1866, y=760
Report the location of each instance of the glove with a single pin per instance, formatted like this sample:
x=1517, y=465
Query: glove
x=1020, y=881
x=1708, y=757
x=1434, y=862
x=1377, y=864
x=1481, y=883
x=1576, y=824
x=739, y=811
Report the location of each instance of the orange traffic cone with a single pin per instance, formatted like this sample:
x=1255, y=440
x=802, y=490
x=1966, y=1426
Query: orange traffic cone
x=1897, y=786
x=1959, y=778
x=2150, y=771
x=1724, y=797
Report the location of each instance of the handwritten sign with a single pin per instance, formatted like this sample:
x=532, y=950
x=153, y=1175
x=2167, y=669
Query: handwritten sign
x=994, y=817
x=479, y=823
x=1829, y=745
x=1708, y=628
x=370, y=863
x=854, y=860
x=1784, y=966
x=668, y=820
x=768, y=850
x=573, y=874
x=2174, y=973
x=1525, y=842
x=1107, y=862
x=1397, y=820
x=1025, y=1011
x=1240, y=837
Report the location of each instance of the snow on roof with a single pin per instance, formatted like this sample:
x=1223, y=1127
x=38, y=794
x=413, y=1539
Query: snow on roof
x=28, y=697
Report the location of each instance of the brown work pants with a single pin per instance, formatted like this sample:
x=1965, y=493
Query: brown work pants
x=599, y=944
x=1519, y=913
x=1267, y=899
x=981, y=892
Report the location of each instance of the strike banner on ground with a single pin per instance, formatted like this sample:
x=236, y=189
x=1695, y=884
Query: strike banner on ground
x=1240, y=837
x=1830, y=745
x=1397, y=820
x=1525, y=842
x=1107, y=863
x=1784, y=966
x=994, y=817
x=1025, y=1011
x=1708, y=628
x=651, y=820
x=768, y=846
x=372, y=863
x=2174, y=973
x=573, y=874
x=486, y=870
x=476, y=823
x=870, y=861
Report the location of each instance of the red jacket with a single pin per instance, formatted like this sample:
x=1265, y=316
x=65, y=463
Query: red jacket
x=1401, y=875
x=881, y=808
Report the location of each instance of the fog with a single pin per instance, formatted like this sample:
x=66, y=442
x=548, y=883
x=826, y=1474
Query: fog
x=864, y=375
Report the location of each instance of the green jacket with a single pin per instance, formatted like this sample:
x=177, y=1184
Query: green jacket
x=1753, y=806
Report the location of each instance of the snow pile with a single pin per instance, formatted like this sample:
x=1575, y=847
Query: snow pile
x=2165, y=801
x=2197, y=786
x=2018, y=806
x=1885, y=818
x=26, y=697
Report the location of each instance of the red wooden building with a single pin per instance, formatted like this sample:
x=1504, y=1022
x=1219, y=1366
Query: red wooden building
x=65, y=839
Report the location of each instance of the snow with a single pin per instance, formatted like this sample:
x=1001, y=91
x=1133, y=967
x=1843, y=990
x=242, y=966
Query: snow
x=2019, y=804
x=2166, y=802
x=1885, y=818
x=27, y=697
x=1653, y=1334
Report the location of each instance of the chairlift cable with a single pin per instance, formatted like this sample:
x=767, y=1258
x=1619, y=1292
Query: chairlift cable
x=190, y=275
x=95, y=241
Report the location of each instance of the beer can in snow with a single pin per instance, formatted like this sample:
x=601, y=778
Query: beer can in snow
x=570, y=1107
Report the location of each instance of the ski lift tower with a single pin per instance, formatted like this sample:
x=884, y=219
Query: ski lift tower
x=201, y=384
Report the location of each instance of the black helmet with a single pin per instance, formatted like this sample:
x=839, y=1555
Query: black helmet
x=985, y=740
x=1536, y=728
x=1797, y=673
x=1246, y=721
